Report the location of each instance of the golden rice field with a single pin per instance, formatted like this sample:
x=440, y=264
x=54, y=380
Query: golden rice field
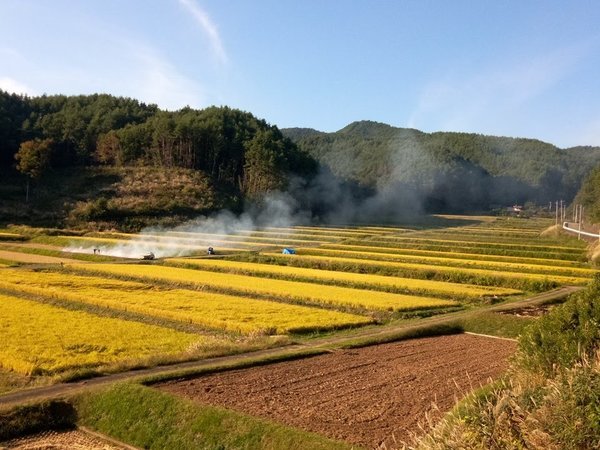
x=371, y=281
x=239, y=300
x=300, y=291
x=442, y=260
x=451, y=254
x=218, y=311
x=440, y=269
x=39, y=338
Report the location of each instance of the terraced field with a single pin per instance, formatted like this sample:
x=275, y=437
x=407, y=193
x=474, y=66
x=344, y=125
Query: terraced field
x=250, y=294
x=41, y=339
x=376, y=282
x=249, y=285
x=244, y=315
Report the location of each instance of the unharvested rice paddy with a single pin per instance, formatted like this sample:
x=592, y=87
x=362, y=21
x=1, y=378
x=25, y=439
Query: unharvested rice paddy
x=300, y=291
x=442, y=260
x=365, y=280
x=39, y=338
x=218, y=311
x=55, y=319
x=441, y=269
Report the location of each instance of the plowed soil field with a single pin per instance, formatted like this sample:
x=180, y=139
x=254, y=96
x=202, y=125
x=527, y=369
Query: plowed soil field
x=369, y=396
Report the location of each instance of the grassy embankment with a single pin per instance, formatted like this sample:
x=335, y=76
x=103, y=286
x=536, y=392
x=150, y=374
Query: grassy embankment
x=550, y=398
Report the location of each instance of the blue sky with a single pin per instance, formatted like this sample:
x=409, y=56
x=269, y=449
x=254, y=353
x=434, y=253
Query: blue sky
x=511, y=68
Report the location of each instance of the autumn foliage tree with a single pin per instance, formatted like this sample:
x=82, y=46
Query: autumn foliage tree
x=33, y=158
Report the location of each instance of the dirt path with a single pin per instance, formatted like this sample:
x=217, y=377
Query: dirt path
x=34, y=259
x=366, y=396
x=64, y=389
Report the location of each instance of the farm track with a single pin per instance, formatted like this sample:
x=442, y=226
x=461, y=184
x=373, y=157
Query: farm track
x=322, y=344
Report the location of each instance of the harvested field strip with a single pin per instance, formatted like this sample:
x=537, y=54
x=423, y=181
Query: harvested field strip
x=385, y=229
x=326, y=235
x=299, y=291
x=328, y=229
x=438, y=260
x=414, y=270
x=372, y=397
x=332, y=232
x=451, y=254
x=6, y=236
x=39, y=338
x=235, y=239
x=137, y=248
x=364, y=280
x=540, y=247
x=32, y=258
x=222, y=312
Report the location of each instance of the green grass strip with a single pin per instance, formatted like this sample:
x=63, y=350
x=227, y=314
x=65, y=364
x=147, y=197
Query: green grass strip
x=150, y=419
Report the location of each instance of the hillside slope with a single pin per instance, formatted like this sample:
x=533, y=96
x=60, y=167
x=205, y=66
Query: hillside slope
x=450, y=169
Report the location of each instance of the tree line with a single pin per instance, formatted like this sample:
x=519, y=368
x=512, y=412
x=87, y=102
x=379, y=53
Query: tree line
x=450, y=171
x=237, y=150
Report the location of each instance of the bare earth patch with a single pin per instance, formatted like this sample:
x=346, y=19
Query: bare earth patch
x=34, y=259
x=366, y=396
x=63, y=440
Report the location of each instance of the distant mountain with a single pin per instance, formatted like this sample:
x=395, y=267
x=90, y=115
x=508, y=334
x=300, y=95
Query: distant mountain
x=450, y=169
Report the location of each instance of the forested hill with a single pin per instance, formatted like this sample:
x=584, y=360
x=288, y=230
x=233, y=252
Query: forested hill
x=122, y=146
x=450, y=169
x=589, y=196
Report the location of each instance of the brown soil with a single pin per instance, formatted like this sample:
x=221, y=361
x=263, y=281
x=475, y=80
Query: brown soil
x=529, y=311
x=63, y=440
x=32, y=258
x=366, y=396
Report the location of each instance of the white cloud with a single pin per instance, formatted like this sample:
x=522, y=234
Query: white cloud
x=16, y=87
x=208, y=27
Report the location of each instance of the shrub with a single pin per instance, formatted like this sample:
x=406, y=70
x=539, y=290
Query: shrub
x=565, y=335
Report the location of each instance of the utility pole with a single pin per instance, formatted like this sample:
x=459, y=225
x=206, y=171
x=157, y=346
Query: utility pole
x=556, y=212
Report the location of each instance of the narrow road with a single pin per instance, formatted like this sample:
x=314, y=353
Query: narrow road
x=66, y=389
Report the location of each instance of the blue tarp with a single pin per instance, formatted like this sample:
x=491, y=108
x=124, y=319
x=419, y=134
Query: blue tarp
x=289, y=251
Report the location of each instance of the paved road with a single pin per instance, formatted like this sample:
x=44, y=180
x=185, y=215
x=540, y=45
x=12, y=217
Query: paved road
x=66, y=389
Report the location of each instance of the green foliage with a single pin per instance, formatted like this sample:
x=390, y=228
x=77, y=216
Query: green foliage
x=589, y=196
x=565, y=335
x=550, y=398
x=495, y=324
x=223, y=143
x=482, y=170
x=148, y=418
